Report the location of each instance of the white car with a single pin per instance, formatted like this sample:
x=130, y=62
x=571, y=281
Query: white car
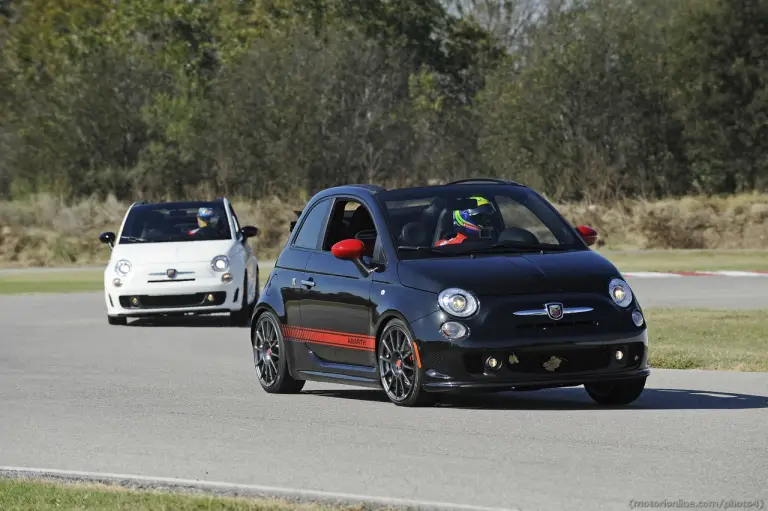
x=172, y=258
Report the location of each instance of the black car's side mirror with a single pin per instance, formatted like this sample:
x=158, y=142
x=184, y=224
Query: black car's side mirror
x=107, y=238
x=249, y=231
x=353, y=250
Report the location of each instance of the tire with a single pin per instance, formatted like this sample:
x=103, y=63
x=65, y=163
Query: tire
x=243, y=316
x=116, y=320
x=266, y=339
x=616, y=393
x=399, y=374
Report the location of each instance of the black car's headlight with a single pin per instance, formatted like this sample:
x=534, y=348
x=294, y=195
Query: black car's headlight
x=458, y=302
x=620, y=292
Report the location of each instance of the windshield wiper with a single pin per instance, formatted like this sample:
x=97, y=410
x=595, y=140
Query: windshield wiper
x=423, y=248
x=133, y=238
x=539, y=247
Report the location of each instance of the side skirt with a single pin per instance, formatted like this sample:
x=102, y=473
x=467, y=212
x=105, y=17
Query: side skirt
x=317, y=369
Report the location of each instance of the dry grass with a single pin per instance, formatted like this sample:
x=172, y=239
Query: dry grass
x=45, y=231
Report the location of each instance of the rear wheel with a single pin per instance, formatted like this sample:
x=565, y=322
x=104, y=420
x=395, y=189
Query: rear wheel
x=398, y=368
x=617, y=392
x=270, y=358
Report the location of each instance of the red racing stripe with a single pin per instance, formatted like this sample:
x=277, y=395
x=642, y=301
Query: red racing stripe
x=330, y=338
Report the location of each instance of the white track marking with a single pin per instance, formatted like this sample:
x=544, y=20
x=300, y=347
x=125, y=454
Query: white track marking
x=255, y=490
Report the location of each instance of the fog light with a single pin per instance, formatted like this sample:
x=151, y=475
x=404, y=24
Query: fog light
x=135, y=301
x=493, y=363
x=454, y=330
x=209, y=298
x=227, y=277
x=619, y=354
x=637, y=318
x=117, y=282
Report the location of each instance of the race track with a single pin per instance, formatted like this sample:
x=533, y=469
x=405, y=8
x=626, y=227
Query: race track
x=180, y=400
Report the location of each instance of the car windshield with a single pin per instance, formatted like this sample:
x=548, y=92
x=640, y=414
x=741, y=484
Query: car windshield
x=175, y=222
x=444, y=221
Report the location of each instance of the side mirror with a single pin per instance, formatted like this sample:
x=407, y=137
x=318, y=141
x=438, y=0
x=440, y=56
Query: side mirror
x=249, y=231
x=349, y=250
x=588, y=234
x=108, y=238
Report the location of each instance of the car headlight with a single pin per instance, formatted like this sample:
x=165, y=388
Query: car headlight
x=458, y=302
x=220, y=263
x=620, y=292
x=123, y=267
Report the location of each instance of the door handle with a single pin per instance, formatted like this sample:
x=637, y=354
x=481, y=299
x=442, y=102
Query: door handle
x=308, y=283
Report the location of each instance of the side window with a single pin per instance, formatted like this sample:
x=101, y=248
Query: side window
x=312, y=228
x=351, y=220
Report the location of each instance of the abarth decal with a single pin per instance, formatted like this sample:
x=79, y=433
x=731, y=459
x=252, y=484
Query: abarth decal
x=329, y=338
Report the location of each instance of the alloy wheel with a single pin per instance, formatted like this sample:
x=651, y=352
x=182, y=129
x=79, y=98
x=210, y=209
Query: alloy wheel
x=397, y=364
x=266, y=351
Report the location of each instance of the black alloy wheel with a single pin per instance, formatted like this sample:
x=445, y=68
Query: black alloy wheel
x=269, y=357
x=398, y=369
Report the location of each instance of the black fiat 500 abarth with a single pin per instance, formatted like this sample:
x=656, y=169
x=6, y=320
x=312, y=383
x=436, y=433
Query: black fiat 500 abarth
x=475, y=284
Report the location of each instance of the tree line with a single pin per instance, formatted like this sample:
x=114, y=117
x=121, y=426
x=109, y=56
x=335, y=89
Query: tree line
x=582, y=99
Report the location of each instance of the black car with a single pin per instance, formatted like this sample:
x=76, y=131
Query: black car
x=471, y=285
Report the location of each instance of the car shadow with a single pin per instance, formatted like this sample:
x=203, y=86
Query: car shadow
x=571, y=398
x=220, y=321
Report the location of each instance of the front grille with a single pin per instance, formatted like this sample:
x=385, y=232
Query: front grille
x=545, y=327
x=559, y=360
x=173, y=301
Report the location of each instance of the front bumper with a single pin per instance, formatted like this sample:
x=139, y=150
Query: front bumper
x=138, y=295
x=529, y=363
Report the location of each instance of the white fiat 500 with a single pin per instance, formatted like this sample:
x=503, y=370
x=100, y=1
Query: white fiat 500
x=176, y=258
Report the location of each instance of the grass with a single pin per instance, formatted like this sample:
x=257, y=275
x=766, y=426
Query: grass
x=47, y=231
x=723, y=340
x=688, y=260
x=43, y=496
x=67, y=281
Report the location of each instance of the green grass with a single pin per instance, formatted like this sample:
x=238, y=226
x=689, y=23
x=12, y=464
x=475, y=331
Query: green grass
x=723, y=340
x=688, y=260
x=73, y=281
x=43, y=496
x=66, y=281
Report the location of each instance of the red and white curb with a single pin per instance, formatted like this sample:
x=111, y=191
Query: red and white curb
x=720, y=273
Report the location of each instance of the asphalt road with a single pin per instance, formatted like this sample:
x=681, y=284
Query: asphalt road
x=702, y=292
x=181, y=400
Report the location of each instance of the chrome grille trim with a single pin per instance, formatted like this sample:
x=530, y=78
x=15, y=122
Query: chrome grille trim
x=543, y=312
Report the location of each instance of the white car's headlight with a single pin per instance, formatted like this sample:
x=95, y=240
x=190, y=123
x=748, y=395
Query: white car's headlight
x=220, y=263
x=123, y=267
x=458, y=302
x=620, y=292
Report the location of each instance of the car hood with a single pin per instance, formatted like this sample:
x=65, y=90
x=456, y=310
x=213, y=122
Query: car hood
x=172, y=252
x=509, y=274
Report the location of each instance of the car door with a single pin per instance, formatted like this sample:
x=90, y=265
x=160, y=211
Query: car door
x=336, y=308
x=288, y=274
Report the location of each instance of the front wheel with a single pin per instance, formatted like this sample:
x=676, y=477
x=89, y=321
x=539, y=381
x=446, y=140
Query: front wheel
x=243, y=316
x=270, y=358
x=398, y=368
x=617, y=392
x=117, y=320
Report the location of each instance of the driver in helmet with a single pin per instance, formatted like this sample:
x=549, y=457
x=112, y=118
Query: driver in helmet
x=469, y=224
x=206, y=220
